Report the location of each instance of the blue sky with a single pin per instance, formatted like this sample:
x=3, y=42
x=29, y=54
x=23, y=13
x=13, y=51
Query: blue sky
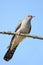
x=29, y=51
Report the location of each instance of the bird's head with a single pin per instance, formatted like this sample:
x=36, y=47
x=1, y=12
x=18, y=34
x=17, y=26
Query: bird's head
x=29, y=17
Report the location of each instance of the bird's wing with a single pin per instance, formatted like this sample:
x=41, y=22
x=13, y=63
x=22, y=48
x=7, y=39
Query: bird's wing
x=10, y=52
x=18, y=26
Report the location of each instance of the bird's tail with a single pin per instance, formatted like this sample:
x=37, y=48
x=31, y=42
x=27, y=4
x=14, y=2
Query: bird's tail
x=9, y=54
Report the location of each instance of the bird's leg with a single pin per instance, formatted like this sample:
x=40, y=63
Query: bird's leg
x=19, y=33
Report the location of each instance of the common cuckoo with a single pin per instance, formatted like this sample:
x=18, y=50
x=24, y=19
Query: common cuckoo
x=23, y=27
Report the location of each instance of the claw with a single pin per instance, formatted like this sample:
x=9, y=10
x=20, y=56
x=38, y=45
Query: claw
x=18, y=33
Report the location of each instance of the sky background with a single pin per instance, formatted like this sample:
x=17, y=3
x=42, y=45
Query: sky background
x=29, y=51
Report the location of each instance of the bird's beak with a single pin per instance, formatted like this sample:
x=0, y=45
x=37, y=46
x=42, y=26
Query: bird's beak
x=33, y=16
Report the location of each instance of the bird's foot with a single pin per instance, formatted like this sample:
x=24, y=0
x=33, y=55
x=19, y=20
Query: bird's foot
x=18, y=33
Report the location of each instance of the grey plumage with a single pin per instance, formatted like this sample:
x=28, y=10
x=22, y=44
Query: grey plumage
x=23, y=27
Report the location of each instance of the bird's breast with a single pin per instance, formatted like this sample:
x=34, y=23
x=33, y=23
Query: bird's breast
x=25, y=28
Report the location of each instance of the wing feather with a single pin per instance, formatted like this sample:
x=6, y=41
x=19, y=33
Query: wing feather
x=18, y=26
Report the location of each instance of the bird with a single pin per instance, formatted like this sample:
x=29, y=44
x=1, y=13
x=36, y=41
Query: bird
x=23, y=27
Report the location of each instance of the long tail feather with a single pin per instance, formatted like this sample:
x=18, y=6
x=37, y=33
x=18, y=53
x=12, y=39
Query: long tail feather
x=9, y=54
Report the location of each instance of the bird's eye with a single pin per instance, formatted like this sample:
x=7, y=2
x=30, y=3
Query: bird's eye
x=29, y=15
